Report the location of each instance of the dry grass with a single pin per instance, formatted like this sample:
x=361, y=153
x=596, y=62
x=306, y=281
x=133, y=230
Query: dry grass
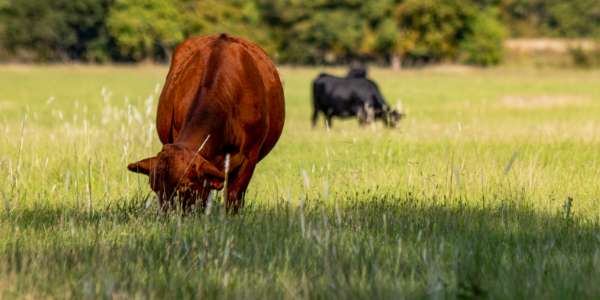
x=561, y=46
x=543, y=102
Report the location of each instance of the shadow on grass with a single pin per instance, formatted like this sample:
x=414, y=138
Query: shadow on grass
x=382, y=247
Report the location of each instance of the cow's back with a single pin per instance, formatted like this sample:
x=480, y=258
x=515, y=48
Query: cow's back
x=186, y=77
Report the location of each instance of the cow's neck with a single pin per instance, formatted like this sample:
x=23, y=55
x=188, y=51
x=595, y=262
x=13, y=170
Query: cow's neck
x=204, y=124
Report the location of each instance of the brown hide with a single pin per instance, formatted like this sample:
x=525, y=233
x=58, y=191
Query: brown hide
x=224, y=92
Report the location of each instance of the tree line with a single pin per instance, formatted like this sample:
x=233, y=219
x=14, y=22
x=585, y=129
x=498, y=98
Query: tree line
x=292, y=31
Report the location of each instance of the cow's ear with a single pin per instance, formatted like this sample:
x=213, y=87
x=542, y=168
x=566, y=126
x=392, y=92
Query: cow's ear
x=208, y=171
x=143, y=166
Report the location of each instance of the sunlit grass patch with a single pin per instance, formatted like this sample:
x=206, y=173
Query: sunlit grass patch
x=467, y=198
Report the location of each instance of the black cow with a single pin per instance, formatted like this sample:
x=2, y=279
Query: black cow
x=351, y=98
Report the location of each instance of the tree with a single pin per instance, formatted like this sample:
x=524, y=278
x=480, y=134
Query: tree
x=321, y=31
x=236, y=17
x=574, y=18
x=55, y=30
x=387, y=43
x=483, y=43
x=431, y=30
x=555, y=18
x=145, y=29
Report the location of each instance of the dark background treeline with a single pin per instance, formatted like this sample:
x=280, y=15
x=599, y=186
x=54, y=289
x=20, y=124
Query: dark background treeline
x=292, y=31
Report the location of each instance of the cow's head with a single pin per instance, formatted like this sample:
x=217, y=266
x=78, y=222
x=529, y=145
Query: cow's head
x=177, y=172
x=392, y=117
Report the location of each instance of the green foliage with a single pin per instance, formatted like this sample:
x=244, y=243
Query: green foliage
x=3, y=54
x=292, y=31
x=145, y=28
x=150, y=29
x=387, y=36
x=580, y=57
x=316, y=31
x=483, y=44
x=431, y=30
x=236, y=17
x=556, y=18
x=331, y=34
x=573, y=18
x=55, y=30
x=585, y=58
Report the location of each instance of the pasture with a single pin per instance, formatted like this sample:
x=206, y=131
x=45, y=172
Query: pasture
x=489, y=188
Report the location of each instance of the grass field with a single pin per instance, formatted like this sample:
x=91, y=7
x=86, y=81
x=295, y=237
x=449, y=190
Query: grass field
x=488, y=189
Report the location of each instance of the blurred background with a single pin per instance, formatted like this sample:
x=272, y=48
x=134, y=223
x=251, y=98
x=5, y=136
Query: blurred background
x=396, y=33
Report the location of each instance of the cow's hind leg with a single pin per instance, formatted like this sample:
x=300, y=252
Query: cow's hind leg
x=361, y=115
x=315, y=117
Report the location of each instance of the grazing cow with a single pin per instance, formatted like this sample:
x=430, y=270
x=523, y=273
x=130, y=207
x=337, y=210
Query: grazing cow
x=350, y=97
x=220, y=112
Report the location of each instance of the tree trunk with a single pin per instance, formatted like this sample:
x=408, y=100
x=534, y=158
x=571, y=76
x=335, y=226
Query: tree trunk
x=396, y=62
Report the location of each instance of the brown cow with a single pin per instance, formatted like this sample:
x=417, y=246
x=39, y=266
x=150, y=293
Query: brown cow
x=222, y=98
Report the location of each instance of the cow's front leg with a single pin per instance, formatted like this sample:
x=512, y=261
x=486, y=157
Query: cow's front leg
x=237, y=185
x=361, y=115
x=328, y=123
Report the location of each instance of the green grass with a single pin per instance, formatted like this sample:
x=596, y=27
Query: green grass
x=467, y=198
